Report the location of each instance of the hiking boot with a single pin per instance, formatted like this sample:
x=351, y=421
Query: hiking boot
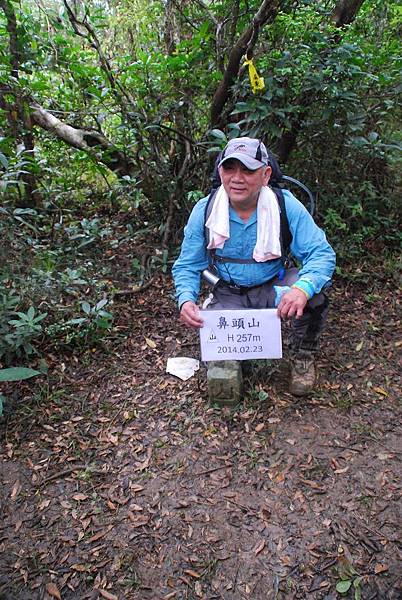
x=302, y=376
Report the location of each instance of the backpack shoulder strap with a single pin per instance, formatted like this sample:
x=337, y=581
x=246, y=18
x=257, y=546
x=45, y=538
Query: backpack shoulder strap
x=286, y=235
x=208, y=208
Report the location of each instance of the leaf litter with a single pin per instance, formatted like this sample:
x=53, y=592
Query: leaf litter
x=134, y=487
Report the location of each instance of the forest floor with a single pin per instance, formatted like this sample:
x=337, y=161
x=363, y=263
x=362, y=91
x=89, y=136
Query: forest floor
x=123, y=482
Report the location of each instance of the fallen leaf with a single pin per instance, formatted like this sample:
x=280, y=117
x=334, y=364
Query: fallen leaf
x=18, y=525
x=339, y=471
x=85, y=523
x=79, y=568
x=107, y=595
x=99, y=535
x=380, y=390
x=265, y=514
x=80, y=497
x=53, y=591
x=150, y=343
x=379, y=568
x=136, y=488
x=16, y=490
x=137, y=520
x=192, y=573
x=259, y=547
x=198, y=589
x=359, y=346
x=260, y=427
x=385, y=455
x=141, y=466
x=44, y=504
x=312, y=484
x=280, y=478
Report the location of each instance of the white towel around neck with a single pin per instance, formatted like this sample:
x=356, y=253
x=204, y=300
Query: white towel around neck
x=268, y=245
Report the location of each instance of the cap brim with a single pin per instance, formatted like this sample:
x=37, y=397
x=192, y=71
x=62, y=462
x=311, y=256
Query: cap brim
x=251, y=163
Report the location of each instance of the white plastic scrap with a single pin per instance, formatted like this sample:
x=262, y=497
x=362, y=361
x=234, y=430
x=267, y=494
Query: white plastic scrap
x=182, y=367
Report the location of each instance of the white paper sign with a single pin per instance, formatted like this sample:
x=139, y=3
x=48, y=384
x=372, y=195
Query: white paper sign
x=240, y=334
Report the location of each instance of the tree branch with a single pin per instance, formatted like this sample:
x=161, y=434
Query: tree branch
x=83, y=29
x=89, y=140
x=266, y=13
x=178, y=191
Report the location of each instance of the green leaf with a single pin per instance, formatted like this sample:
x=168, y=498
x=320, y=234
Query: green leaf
x=217, y=133
x=17, y=374
x=40, y=318
x=86, y=307
x=101, y=304
x=343, y=586
x=2, y=398
x=3, y=160
x=358, y=594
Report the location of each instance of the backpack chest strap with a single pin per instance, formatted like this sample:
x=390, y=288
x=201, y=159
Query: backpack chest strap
x=228, y=259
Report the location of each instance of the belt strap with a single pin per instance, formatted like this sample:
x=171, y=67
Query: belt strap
x=241, y=289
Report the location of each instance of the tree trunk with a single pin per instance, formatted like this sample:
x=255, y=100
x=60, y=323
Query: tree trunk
x=89, y=140
x=343, y=14
x=266, y=13
x=17, y=112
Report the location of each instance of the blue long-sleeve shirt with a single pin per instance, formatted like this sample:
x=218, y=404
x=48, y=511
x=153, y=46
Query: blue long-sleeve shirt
x=309, y=246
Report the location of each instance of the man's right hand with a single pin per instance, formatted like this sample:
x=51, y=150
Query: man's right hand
x=190, y=315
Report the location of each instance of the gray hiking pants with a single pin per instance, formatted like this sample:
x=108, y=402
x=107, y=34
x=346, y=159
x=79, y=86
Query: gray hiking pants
x=305, y=331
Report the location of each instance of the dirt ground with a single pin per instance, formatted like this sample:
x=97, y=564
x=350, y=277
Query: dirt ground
x=122, y=482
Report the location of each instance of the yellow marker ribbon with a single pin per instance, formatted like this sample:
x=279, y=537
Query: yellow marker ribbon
x=257, y=82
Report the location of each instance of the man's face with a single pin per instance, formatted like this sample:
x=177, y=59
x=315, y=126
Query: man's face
x=242, y=185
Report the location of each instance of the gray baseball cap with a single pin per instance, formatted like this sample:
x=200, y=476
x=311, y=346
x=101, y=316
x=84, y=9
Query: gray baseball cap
x=249, y=151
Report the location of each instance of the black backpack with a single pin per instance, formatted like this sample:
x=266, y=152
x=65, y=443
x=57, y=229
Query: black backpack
x=276, y=182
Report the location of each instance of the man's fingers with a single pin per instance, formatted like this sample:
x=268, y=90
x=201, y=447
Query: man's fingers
x=292, y=304
x=190, y=315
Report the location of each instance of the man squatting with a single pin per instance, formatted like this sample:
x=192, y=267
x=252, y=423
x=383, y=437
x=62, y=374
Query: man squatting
x=245, y=223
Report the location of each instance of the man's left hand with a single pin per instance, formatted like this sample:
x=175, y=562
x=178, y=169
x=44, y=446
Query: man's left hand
x=292, y=304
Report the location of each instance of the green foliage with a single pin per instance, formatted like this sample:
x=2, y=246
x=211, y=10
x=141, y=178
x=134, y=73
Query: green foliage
x=342, y=98
x=17, y=374
x=14, y=374
x=340, y=87
x=48, y=265
x=18, y=329
x=85, y=330
x=346, y=584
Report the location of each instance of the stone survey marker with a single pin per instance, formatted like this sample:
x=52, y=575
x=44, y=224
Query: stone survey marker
x=240, y=334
